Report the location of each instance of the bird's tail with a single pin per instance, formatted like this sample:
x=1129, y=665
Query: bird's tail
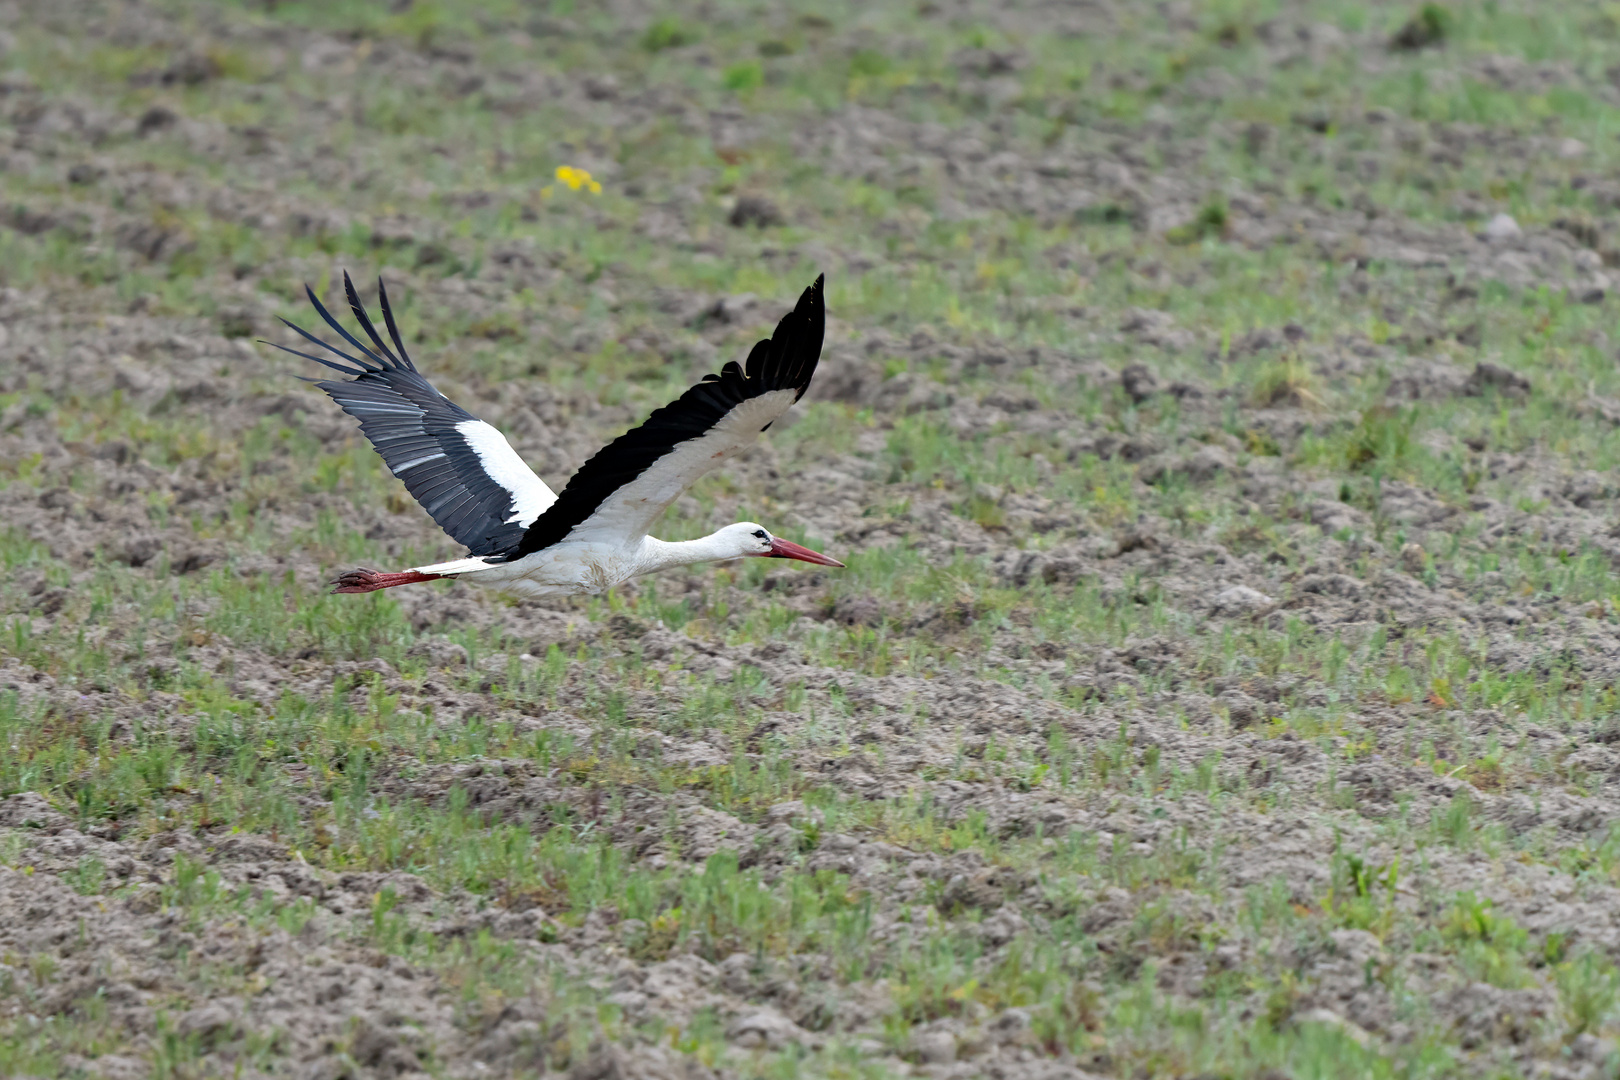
x=363, y=580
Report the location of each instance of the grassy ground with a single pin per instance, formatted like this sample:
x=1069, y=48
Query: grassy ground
x=1223, y=679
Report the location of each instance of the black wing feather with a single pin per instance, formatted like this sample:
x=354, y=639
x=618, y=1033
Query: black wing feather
x=413, y=427
x=393, y=331
x=360, y=366
x=786, y=360
x=326, y=316
x=364, y=320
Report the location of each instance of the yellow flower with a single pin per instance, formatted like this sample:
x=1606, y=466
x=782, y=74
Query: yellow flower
x=578, y=178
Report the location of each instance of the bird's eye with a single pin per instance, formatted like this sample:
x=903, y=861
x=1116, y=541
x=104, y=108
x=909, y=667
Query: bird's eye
x=759, y=534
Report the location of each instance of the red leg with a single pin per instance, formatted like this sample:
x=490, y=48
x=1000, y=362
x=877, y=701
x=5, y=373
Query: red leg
x=371, y=580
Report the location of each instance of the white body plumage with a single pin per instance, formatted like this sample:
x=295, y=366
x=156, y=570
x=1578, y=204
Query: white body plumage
x=586, y=567
x=529, y=540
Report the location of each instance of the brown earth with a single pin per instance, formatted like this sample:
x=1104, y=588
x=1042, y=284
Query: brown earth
x=123, y=441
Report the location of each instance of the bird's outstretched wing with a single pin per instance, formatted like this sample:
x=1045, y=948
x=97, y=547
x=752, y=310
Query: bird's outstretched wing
x=623, y=490
x=463, y=471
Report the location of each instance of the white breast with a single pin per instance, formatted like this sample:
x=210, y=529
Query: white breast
x=561, y=570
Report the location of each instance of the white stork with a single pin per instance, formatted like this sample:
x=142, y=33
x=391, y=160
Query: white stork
x=527, y=540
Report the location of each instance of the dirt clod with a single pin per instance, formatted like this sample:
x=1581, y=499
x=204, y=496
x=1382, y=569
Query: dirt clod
x=755, y=210
x=1139, y=382
x=1216, y=414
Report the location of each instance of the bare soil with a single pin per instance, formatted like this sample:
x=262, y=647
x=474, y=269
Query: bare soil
x=1343, y=644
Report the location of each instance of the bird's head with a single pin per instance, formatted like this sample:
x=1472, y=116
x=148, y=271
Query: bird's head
x=751, y=539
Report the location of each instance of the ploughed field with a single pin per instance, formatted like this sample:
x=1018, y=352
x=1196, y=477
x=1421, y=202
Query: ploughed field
x=1218, y=418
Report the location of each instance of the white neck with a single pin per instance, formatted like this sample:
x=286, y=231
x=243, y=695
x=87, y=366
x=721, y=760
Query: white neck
x=659, y=554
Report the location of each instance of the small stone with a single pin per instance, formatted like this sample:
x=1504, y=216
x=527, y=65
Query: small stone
x=1002, y=927
x=934, y=1047
x=765, y=1028
x=1570, y=149
x=138, y=378
x=1589, y=1047
x=1239, y=598
x=601, y=87
x=1332, y=516
x=137, y=551
x=737, y=973
x=788, y=812
x=1502, y=227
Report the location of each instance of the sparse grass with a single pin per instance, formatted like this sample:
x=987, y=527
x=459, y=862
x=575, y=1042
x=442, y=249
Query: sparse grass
x=1109, y=733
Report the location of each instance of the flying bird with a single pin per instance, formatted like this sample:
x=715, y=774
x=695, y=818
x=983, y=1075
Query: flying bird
x=522, y=537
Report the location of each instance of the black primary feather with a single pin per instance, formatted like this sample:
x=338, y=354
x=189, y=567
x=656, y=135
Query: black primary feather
x=785, y=360
x=413, y=427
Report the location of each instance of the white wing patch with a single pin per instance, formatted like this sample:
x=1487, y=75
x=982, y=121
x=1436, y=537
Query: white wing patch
x=627, y=514
x=530, y=495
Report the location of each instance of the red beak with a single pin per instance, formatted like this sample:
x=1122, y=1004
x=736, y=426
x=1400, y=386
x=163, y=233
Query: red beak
x=787, y=549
